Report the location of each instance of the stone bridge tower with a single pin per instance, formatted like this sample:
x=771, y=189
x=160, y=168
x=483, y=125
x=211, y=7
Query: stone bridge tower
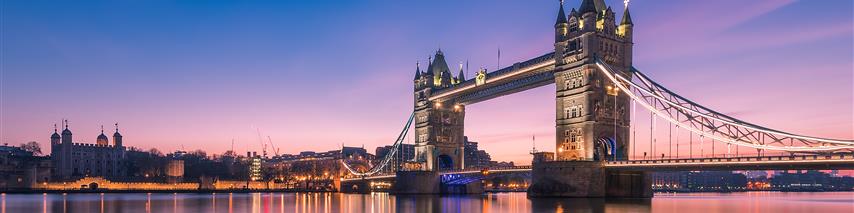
x=438, y=126
x=592, y=121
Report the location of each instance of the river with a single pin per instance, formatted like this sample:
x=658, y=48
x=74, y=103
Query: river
x=776, y=202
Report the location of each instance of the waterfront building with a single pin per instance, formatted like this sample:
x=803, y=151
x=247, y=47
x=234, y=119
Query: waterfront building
x=407, y=151
x=254, y=166
x=716, y=181
x=405, y=154
x=20, y=169
x=73, y=160
x=670, y=181
x=474, y=157
x=811, y=181
x=175, y=170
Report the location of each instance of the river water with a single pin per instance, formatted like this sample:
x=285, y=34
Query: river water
x=776, y=202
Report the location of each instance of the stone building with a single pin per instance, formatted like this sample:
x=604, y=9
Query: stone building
x=20, y=169
x=74, y=160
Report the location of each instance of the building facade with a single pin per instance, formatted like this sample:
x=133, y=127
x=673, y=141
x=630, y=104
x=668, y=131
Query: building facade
x=474, y=157
x=74, y=160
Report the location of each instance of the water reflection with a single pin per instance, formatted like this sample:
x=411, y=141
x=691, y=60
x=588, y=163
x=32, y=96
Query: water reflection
x=383, y=202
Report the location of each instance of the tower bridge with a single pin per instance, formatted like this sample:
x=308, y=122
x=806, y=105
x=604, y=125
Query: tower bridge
x=596, y=85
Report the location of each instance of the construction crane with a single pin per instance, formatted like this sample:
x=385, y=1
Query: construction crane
x=263, y=145
x=275, y=150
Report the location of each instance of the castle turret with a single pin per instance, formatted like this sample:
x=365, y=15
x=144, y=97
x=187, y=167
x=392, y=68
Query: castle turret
x=55, y=138
x=102, y=139
x=117, y=138
x=66, y=134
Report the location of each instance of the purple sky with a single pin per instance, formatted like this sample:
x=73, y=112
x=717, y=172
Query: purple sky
x=315, y=75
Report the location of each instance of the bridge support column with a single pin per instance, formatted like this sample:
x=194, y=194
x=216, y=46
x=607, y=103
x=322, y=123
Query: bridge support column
x=586, y=179
x=567, y=179
x=634, y=184
x=416, y=182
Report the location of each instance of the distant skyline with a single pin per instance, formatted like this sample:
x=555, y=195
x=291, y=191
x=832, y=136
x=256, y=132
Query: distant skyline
x=314, y=75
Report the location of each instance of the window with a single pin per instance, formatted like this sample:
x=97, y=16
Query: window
x=566, y=112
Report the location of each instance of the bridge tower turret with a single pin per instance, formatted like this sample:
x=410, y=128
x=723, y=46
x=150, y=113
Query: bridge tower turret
x=625, y=31
x=588, y=13
x=592, y=121
x=561, y=25
x=438, y=126
x=561, y=30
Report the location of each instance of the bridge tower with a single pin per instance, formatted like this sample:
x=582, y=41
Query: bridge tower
x=439, y=132
x=592, y=121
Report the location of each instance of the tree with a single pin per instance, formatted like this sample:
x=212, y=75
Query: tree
x=33, y=147
x=155, y=152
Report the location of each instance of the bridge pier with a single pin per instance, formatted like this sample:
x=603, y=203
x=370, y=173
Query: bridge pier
x=416, y=182
x=427, y=182
x=356, y=187
x=628, y=184
x=586, y=179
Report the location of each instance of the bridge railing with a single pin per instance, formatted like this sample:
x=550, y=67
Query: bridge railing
x=486, y=169
x=833, y=156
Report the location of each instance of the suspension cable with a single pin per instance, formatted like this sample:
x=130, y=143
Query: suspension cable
x=613, y=77
x=389, y=156
x=728, y=120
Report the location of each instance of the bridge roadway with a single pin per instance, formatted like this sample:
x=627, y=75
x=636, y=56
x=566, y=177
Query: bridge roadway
x=796, y=162
x=518, y=77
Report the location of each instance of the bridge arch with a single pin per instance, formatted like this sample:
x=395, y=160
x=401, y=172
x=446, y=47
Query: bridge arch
x=605, y=149
x=93, y=186
x=445, y=162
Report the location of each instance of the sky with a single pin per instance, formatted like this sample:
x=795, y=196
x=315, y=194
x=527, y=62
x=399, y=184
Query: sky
x=313, y=75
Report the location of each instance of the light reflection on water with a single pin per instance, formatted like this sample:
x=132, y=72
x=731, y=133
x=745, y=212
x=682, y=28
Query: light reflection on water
x=382, y=202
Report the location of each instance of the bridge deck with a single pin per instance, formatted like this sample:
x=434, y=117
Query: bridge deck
x=515, y=78
x=797, y=162
x=818, y=162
